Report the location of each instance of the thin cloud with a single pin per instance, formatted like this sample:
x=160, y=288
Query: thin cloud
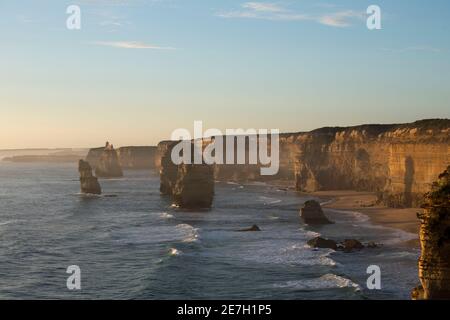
x=131, y=45
x=275, y=12
x=340, y=19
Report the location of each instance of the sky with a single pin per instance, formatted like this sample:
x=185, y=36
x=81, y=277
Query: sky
x=139, y=69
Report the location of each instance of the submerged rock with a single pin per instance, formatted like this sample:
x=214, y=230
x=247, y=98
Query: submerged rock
x=312, y=213
x=434, y=261
x=351, y=244
x=252, y=228
x=194, y=188
x=108, y=165
x=88, y=183
x=319, y=242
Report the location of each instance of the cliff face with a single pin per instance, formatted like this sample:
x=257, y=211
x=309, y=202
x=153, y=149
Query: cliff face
x=137, y=157
x=168, y=170
x=108, y=165
x=434, y=262
x=129, y=157
x=398, y=161
x=88, y=183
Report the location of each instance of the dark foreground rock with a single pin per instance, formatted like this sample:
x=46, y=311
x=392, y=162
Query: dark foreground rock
x=319, y=242
x=312, y=213
x=349, y=245
x=434, y=261
x=108, y=165
x=252, y=228
x=89, y=183
x=194, y=188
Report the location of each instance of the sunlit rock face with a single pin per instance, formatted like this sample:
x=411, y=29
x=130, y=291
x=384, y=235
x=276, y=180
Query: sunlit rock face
x=434, y=261
x=134, y=157
x=89, y=184
x=399, y=162
x=137, y=157
x=108, y=165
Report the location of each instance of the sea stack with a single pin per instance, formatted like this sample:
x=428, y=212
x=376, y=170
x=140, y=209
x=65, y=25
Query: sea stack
x=194, y=188
x=168, y=170
x=88, y=183
x=434, y=261
x=108, y=165
x=312, y=213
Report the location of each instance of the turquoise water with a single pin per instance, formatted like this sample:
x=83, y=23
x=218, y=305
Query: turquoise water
x=131, y=243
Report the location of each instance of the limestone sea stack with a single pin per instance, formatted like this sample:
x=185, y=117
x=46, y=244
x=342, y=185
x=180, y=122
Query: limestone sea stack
x=312, y=214
x=108, y=165
x=434, y=261
x=89, y=183
x=168, y=170
x=194, y=188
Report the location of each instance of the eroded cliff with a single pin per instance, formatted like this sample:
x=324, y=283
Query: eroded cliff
x=434, y=261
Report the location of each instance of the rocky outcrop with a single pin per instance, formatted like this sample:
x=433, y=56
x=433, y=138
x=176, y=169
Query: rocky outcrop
x=319, y=242
x=434, y=261
x=253, y=228
x=194, y=188
x=108, y=165
x=191, y=185
x=134, y=157
x=168, y=170
x=312, y=213
x=349, y=245
x=89, y=184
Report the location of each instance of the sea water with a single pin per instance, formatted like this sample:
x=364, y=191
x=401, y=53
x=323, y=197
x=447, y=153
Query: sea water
x=131, y=243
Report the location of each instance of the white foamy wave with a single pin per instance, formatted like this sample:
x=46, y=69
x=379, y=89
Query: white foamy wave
x=165, y=215
x=174, y=252
x=268, y=200
x=8, y=222
x=190, y=233
x=293, y=254
x=327, y=281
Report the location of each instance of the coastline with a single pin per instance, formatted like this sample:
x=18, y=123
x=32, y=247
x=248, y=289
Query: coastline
x=365, y=203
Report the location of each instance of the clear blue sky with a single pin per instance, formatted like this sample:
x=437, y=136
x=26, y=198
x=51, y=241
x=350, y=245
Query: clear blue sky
x=139, y=69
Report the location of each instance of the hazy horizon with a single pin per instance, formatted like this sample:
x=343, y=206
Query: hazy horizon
x=139, y=69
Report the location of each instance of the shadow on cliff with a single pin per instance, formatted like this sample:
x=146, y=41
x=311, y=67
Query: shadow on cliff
x=409, y=179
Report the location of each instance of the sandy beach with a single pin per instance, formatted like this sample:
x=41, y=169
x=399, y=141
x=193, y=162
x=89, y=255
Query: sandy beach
x=365, y=202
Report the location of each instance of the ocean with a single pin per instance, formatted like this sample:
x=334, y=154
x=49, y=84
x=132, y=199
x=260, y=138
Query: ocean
x=131, y=243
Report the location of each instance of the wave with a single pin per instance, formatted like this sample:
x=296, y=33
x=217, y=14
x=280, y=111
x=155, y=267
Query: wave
x=9, y=222
x=174, y=252
x=268, y=200
x=190, y=233
x=165, y=215
x=327, y=281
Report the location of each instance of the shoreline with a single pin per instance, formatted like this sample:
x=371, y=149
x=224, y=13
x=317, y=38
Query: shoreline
x=365, y=203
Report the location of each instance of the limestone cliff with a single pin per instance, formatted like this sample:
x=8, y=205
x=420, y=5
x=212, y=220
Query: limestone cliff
x=434, y=261
x=108, y=165
x=88, y=183
x=134, y=157
x=137, y=157
x=168, y=170
x=397, y=161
